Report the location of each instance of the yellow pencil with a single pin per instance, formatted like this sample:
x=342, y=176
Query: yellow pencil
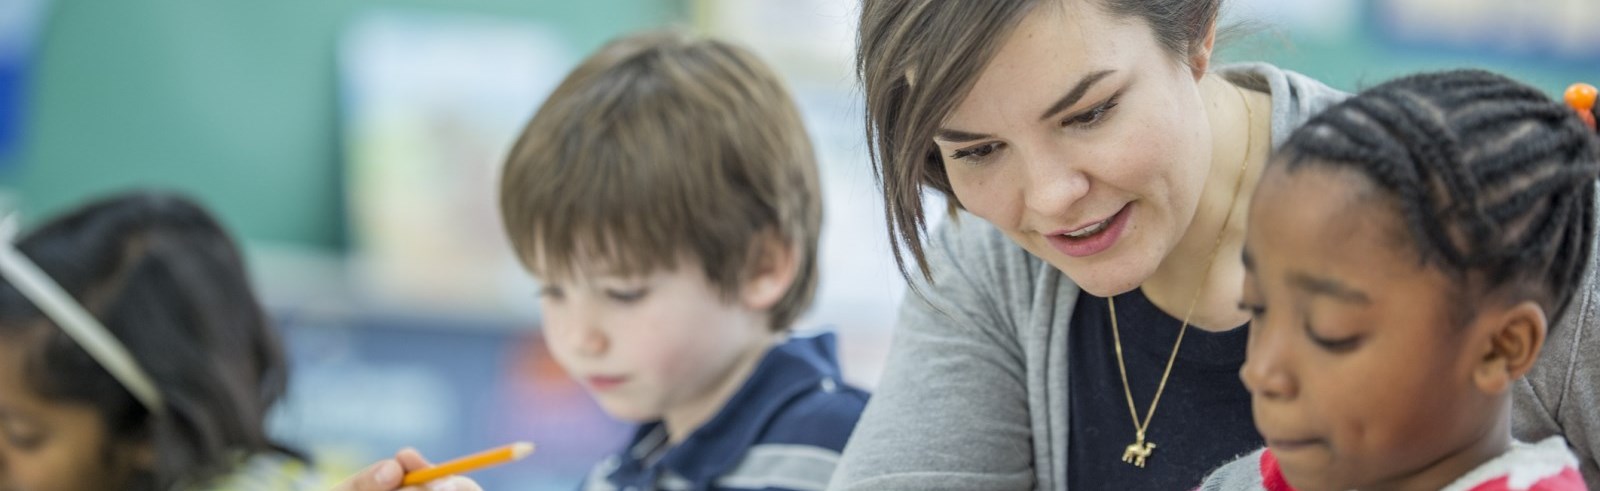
x=486, y=458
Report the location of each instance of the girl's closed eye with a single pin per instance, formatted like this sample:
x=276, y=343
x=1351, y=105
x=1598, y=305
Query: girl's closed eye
x=19, y=435
x=1337, y=344
x=1255, y=309
x=1250, y=299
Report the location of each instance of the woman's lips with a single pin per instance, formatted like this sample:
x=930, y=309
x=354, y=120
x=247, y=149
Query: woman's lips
x=1093, y=243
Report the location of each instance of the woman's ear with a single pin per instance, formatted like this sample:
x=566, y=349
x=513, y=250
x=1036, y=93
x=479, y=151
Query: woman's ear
x=1514, y=338
x=1200, y=53
x=774, y=264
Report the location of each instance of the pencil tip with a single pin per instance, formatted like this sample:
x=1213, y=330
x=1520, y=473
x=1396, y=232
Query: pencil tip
x=521, y=449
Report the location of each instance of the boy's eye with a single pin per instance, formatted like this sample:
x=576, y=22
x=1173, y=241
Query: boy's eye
x=627, y=296
x=552, y=292
x=977, y=153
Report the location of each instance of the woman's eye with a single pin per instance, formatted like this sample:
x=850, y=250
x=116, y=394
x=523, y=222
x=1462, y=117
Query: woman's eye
x=975, y=154
x=1091, y=117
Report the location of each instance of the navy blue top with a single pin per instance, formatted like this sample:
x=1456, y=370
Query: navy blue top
x=1204, y=393
x=783, y=430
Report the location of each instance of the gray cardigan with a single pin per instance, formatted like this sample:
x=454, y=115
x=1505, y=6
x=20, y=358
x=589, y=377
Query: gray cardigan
x=974, y=395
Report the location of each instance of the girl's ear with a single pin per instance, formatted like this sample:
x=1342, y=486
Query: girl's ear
x=139, y=454
x=130, y=458
x=1512, y=341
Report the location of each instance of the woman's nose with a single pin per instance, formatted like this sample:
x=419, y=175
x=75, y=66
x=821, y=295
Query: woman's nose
x=1051, y=184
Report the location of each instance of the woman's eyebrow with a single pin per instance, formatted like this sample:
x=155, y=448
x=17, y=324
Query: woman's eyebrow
x=958, y=136
x=1075, y=94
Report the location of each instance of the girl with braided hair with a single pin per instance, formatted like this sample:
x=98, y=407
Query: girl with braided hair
x=1411, y=252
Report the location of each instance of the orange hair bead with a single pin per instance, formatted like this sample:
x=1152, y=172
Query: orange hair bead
x=1581, y=97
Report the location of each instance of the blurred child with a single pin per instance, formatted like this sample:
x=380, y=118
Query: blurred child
x=133, y=356
x=666, y=197
x=1409, y=251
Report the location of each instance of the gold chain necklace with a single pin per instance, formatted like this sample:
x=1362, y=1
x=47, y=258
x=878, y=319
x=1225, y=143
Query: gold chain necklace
x=1139, y=450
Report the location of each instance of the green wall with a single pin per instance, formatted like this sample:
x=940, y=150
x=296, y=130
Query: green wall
x=235, y=101
x=231, y=101
x=1361, y=58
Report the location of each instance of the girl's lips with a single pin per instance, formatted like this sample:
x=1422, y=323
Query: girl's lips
x=1291, y=444
x=1094, y=243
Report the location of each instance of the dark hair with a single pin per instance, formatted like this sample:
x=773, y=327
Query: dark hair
x=664, y=144
x=1495, y=180
x=918, y=58
x=167, y=281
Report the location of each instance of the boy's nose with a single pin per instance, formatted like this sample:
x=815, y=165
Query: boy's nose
x=592, y=342
x=586, y=335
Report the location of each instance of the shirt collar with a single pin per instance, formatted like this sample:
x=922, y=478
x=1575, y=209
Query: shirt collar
x=787, y=371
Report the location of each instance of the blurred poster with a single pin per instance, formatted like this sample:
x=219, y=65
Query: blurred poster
x=809, y=42
x=1317, y=20
x=362, y=390
x=431, y=104
x=1543, y=30
x=811, y=45
x=20, y=24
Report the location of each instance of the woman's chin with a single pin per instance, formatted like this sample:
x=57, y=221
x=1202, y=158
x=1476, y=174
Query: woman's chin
x=1106, y=279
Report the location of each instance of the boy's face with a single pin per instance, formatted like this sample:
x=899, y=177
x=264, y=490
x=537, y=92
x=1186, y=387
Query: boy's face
x=665, y=345
x=1359, y=379
x=52, y=446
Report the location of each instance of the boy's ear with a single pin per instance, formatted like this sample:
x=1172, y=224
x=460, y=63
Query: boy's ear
x=1515, y=337
x=774, y=263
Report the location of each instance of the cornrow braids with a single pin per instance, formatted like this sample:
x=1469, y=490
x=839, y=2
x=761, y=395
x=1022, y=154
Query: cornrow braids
x=1495, y=181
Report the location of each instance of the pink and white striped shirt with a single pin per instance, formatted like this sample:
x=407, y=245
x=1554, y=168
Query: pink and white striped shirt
x=1544, y=466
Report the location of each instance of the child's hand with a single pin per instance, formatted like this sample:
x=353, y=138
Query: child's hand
x=385, y=475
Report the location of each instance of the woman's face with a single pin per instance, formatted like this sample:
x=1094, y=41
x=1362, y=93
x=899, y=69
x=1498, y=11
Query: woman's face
x=1086, y=142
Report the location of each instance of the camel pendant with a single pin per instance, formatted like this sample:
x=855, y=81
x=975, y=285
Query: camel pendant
x=1137, y=452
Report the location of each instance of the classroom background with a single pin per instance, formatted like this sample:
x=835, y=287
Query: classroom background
x=353, y=145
